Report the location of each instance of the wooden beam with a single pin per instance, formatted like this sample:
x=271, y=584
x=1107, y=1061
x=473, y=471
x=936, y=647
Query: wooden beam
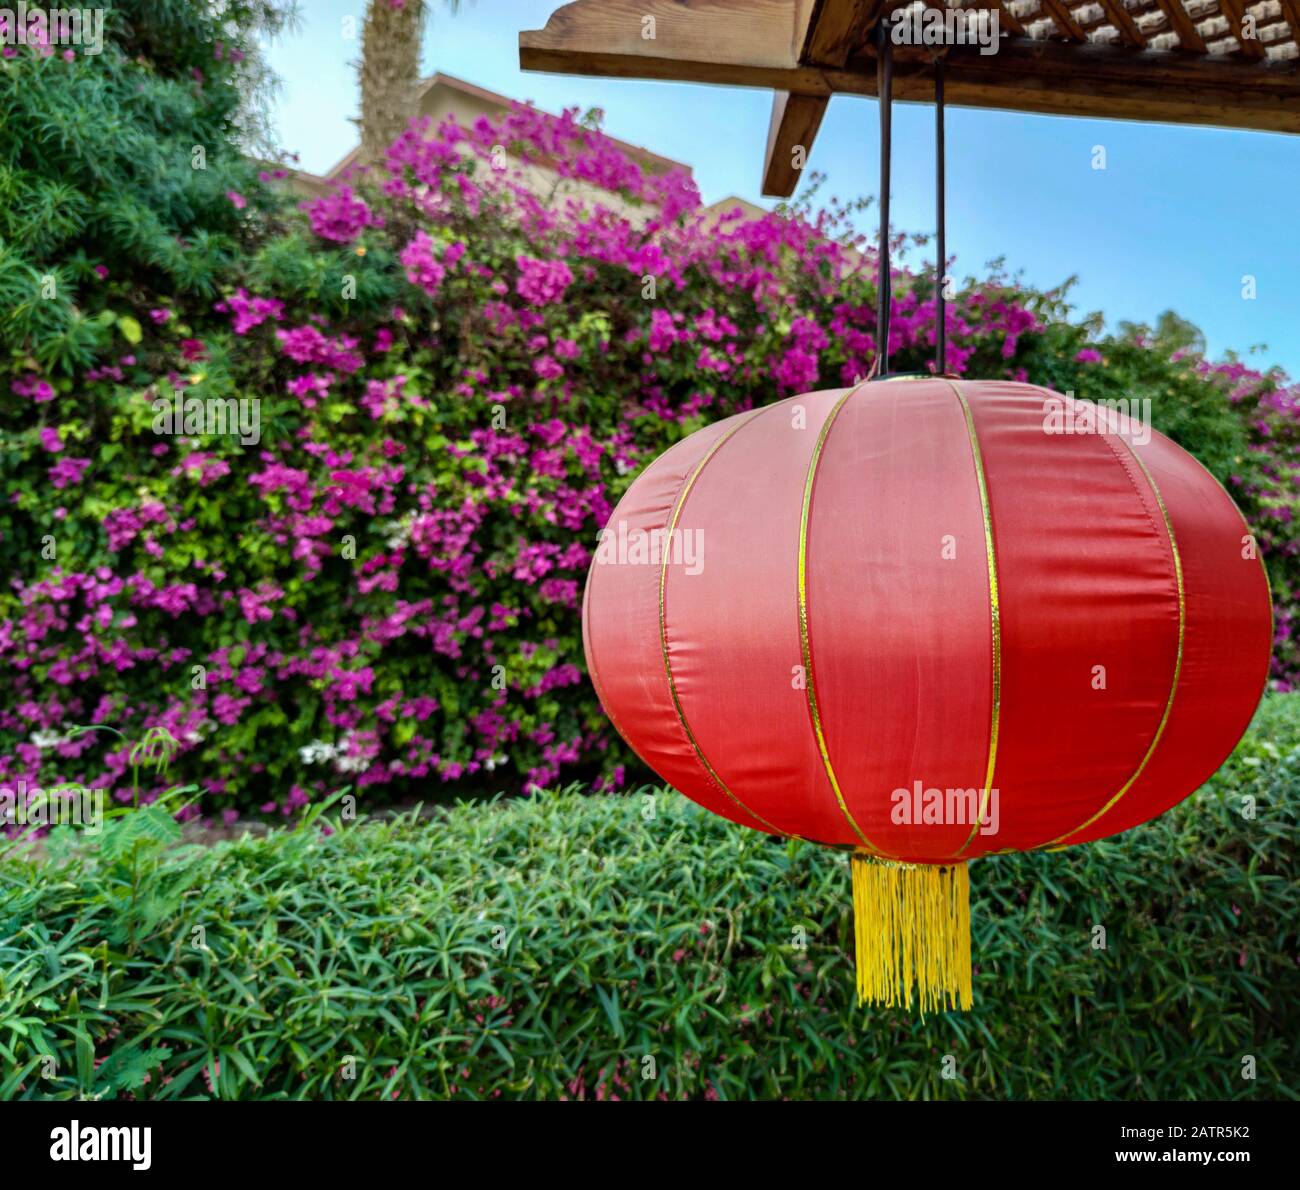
x=1052, y=78
x=1233, y=11
x=1291, y=11
x=1005, y=19
x=757, y=34
x=1063, y=20
x=836, y=29
x=1189, y=39
x=1119, y=16
x=827, y=31
x=1114, y=82
x=793, y=128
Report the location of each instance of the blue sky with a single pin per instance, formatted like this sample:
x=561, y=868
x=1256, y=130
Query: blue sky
x=1176, y=219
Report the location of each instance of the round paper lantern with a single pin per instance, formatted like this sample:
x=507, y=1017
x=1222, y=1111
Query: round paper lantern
x=928, y=620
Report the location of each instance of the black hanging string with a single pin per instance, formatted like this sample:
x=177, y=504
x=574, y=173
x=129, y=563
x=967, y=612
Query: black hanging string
x=941, y=331
x=884, y=92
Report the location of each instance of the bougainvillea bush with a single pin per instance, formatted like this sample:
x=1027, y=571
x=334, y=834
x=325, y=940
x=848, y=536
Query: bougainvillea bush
x=375, y=580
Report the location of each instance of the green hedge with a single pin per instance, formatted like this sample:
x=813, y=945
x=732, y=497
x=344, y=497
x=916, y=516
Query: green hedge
x=548, y=947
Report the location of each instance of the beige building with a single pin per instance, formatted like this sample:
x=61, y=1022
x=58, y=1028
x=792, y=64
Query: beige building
x=441, y=96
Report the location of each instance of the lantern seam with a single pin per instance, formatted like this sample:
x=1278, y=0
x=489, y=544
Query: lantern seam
x=589, y=639
x=1178, y=658
x=995, y=616
x=678, y=504
x=805, y=641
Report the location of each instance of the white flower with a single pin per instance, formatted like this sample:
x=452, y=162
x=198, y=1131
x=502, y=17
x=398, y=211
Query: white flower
x=316, y=751
x=397, y=533
x=345, y=763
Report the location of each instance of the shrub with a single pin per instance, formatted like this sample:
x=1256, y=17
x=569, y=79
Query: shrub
x=546, y=947
x=122, y=178
x=456, y=382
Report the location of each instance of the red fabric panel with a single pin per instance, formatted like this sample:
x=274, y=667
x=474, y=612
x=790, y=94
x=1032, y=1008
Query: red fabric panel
x=1227, y=641
x=901, y=637
x=733, y=630
x=621, y=640
x=1085, y=579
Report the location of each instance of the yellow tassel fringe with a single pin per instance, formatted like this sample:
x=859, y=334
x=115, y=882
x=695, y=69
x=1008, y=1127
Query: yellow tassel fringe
x=911, y=924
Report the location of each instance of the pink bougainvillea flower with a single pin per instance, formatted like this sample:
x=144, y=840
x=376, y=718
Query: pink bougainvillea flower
x=542, y=282
x=66, y=472
x=306, y=345
x=248, y=311
x=339, y=216
x=33, y=386
x=422, y=266
x=237, y=200
x=308, y=387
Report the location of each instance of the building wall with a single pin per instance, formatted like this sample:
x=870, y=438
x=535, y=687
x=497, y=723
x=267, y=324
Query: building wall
x=442, y=98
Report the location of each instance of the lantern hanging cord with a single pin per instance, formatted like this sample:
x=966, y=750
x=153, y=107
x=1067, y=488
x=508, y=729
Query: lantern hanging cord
x=884, y=91
x=941, y=262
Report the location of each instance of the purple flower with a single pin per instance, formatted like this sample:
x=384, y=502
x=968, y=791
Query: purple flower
x=248, y=311
x=66, y=472
x=542, y=282
x=422, y=268
x=33, y=386
x=797, y=370
x=339, y=216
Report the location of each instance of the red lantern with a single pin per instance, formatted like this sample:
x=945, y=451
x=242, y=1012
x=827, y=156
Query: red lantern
x=928, y=620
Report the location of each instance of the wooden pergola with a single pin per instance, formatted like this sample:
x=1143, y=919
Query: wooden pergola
x=1227, y=63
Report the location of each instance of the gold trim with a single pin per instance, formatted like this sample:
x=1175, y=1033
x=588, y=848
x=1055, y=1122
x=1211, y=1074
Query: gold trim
x=663, y=620
x=1178, y=661
x=995, y=616
x=810, y=686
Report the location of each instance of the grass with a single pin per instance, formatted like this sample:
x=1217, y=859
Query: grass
x=571, y=946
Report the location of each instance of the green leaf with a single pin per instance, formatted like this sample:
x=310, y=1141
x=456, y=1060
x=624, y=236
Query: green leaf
x=130, y=329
